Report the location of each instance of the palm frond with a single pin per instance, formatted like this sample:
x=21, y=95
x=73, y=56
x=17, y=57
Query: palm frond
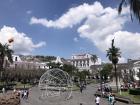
x=120, y=6
x=135, y=8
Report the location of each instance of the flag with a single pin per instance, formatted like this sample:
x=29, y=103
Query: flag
x=10, y=40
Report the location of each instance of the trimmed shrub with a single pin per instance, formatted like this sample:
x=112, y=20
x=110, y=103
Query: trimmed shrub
x=124, y=89
x=134, y=91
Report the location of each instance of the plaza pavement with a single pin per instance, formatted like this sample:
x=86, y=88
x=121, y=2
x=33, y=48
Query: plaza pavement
x=86, y=98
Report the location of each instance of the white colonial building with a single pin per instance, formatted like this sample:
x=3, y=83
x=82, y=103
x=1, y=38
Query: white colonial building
x=19, y=63
x=136, y=70
x=84, y=61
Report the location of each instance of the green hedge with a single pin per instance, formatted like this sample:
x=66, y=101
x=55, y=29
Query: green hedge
x=134, y=91
x=9, y=86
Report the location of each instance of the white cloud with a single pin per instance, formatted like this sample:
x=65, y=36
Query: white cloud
x=122, y=60
x=72, y=17
x=100, y=25
x=22, y=43
x=75, y=39
x=97, y=28
x=128, y=42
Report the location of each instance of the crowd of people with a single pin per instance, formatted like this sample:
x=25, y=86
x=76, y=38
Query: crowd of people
x=24, y=94
x=129, y=85
x=105, y=89
x=111, y=99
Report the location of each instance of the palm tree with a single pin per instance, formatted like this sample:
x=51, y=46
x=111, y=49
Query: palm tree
x=5, y=52
x=113, y=55
x=134, y=8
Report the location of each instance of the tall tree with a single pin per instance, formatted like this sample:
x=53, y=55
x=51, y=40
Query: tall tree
x=113, y=55
x=5, y=52
x=106, y=71
x=53, y=65
x=134, y=7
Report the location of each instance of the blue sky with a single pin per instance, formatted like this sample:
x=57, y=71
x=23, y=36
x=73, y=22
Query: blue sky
x=66, y=27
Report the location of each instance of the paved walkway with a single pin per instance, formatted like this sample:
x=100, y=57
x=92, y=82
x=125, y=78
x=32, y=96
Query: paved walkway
x=86, y=98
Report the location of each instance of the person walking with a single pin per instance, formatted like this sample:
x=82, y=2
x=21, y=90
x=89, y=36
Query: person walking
x=22, y=93
x=111, y=99
x=103, y=94
x=97, y=100
x=14, y=90
x=27, y=94
x=81, y=88
x=3, y=90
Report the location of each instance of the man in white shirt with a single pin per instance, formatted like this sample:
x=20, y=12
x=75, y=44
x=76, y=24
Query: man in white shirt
x=97, y=100
x=3, y=90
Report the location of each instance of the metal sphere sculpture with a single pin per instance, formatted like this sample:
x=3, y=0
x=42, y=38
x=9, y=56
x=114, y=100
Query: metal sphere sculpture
x=55, y=84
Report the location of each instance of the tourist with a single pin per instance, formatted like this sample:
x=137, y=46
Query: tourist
x=111, y=99
x=110, y=89
x=84, y=85
x=27, y=93
x=14, y=90
x=3, y=90
x=22, y=93
x=81, y=88
x=19, y=92
x=98, y=89
x=103, y=94
x=97, y=100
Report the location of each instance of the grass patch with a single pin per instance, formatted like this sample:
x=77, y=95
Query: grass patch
x=134, y=98
x=20, y=85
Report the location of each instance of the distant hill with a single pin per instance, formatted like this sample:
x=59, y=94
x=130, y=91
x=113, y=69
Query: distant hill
x=45, y=58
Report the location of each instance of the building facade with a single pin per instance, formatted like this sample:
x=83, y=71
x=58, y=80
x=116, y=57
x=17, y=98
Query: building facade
x=84, y=61
x=127, y=71
x=19, y=63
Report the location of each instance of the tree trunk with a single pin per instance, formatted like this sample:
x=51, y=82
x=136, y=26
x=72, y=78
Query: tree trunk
x=139, y=76
x=116, y=76
x=1, y=66
x=1, y=63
